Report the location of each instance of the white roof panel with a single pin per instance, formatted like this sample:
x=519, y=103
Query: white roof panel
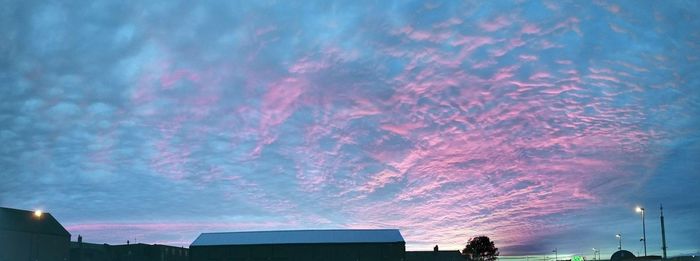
x=300, y=237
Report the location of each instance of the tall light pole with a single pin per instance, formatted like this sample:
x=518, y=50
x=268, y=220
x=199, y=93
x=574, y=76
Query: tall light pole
x=555, y=254
x=663, y=231
x=596, y=251
x=619, y=241
x=644, y=230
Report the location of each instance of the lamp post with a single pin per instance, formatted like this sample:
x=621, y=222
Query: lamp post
x=595, y=251
x=644, y=230
x=663, y=231
x=619, y=241
x=555, y=254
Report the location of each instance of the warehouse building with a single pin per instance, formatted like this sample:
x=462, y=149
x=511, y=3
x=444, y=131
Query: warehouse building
x=308, y=245
x=32, y=236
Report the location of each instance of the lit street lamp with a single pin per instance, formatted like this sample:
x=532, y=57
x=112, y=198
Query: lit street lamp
x=596, y=251
x=619, y=241
x=644, y=229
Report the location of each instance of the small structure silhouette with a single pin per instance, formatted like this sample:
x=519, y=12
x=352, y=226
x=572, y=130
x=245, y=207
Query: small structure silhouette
x=622, y=255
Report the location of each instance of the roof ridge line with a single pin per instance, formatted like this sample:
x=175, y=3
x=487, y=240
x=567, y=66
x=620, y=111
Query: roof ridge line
x=300, y=230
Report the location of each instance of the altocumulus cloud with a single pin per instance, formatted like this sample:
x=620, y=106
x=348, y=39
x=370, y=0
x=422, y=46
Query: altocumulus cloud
x=525, y=121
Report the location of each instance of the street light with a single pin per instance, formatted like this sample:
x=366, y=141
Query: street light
x=38, y=213
x=619, y=241
x=555, y=254
x=644, y=229
x=595, y=251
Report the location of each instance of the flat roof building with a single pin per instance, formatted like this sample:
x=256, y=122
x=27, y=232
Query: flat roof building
x=32, y=236
x=453, y=255
x=309, y=245
x=146, y=252
x=81, y=251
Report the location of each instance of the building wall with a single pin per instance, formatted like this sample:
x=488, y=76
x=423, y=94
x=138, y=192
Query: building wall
x=453, y=255
x=306, y=252
x=24, y=246
x=89, y=252
x=143, y=252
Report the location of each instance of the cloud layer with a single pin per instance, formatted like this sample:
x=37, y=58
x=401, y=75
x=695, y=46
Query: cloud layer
x=529, y=122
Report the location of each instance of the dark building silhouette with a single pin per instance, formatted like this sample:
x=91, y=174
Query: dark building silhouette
x=434, y=255
x=146, y=252
x=81, y=251
x=621, y=255
x=617, y=256
x=307, y=245
x=684, y=258
x=32, y=236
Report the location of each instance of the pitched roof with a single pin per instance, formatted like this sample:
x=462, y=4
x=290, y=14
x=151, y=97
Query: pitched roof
x=300, y=237
x=22, y=220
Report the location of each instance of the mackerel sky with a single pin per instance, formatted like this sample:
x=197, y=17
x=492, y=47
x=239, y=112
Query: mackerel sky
x=541, y=124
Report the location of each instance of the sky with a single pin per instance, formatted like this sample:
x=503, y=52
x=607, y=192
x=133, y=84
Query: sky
x=541, y=124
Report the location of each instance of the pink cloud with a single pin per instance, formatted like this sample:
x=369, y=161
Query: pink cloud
x=380, y=180
x=278, y=102
x=169, y=79
x=307, y=66
x=495, y=25
x=540, y=76
x=402, y=129
x=448, y=23
x=506, y=150
x=529, y=58
x=530, y=29
x=181, y=233
x=472, y=42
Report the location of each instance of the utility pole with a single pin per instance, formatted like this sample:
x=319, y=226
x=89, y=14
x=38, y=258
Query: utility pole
x=644, y=230
x=619, y=241
x=663, y=231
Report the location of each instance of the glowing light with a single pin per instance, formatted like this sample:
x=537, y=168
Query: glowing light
x=38, y=213
x=639, y=209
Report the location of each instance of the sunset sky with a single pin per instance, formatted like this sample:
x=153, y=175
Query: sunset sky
x=541, y=124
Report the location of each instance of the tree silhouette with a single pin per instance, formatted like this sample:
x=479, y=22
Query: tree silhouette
x=480, y=248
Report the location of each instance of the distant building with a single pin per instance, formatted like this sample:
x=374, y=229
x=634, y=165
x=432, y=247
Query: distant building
x=434, y=256
x=684, y=258
x=307, y=245
x=145, y=252
x=32, y=236
x=81, y=251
